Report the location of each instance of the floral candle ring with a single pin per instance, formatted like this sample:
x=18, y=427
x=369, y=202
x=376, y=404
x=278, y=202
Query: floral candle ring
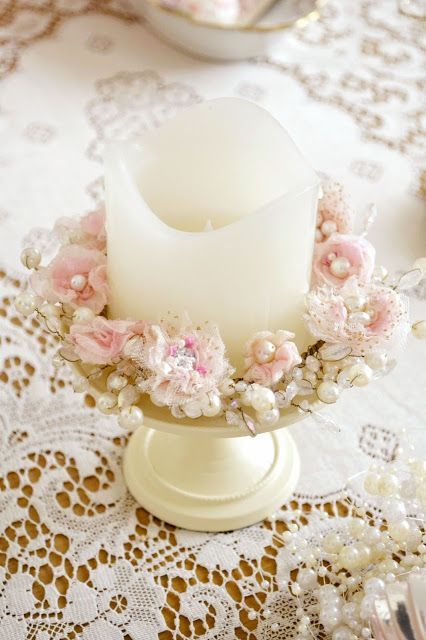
x=191, y=389
x=356, y=314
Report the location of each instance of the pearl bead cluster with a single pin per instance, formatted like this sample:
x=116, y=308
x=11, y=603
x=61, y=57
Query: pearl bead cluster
x=382, y=539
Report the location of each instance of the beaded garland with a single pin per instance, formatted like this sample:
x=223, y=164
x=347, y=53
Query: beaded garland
x=356, y=313
x=340, y=586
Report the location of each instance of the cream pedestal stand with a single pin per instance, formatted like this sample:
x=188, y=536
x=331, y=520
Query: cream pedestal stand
x=210, y=478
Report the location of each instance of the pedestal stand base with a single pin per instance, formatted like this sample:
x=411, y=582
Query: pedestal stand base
x=208, y=483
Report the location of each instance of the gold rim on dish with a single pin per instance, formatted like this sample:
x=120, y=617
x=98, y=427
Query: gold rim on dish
x=311, y=16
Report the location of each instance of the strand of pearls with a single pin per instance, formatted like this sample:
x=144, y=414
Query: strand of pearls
x=382, y=539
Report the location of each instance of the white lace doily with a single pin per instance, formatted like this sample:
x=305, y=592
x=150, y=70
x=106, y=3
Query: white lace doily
x=78, y=557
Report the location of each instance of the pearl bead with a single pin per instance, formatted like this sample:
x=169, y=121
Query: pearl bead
x=360, y=317
x=268, y=418
x=80, y=384
x=227, y=387
x=31, y=258
x=241, y=386
x=252, y=615
x=83, y=315
x=313, y=364
x=296, y=589
x=328, y=392
x=263, y=399
x=130, y=418
x=106, y=402
x=340, y=267
x=342, y=633
x=328, y=227
x=364, y=553
x=310, y=377
x=376, y=361
x=349, y=557
x=374, y=585
x=193, y=409
x=331, y=618
x=297, y=373
x=50, y=310
x=211, y=405
x=399, y=531
x=264, y=351
x=275, y=626
x=246, y=397
x=26, y=303
x=267, y=613
x=128, y=396
x=388, y=484
x=359, y=374
x=332, y=543
x=116, y=382
x=307, y=578
x=354, y=302
x=357, y=527
x=394, y=510
x=78, y=282
x=53, y=324
x=419, y=329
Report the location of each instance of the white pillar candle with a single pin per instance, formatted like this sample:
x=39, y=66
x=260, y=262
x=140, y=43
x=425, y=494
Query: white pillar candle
x=212, y=214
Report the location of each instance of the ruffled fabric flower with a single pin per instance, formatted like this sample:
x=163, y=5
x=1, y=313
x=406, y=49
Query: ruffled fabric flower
x=335, y=211
x=88, y=231
x=340, y=257
x=102, y=341
x=180, y=364
x=363, y=316
x=268, y=356
x=76, y=276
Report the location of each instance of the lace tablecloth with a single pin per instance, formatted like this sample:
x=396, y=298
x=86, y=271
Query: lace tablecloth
x=78, y=557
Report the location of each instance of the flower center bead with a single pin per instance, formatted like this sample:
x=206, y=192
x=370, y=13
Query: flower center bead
x=264, y=351
x=78, y=282
x=340, y=266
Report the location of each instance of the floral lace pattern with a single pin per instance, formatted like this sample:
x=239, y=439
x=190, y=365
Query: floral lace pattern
x=78, y=557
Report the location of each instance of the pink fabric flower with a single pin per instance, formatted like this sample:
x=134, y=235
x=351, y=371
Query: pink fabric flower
x=363, y=316
x=102, y=341
x=58, y=282
x=335, y=209
x=268, y=356
x=93, y=226
x=88, y=231
x=182, y=362
x=341, y=257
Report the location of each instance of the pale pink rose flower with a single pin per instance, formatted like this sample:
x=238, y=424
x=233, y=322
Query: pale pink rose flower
x=380, y=323
x=55, y=282
x=93, y=226
x=357, y=252
x=88, y=231
x=269, y=356
x=336, y=208
x=102, y=341
x=183, y=362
